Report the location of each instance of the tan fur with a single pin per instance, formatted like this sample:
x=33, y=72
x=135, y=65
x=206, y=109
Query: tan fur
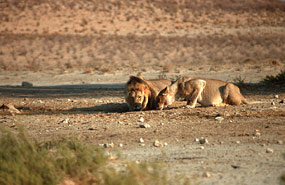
x=207, y=92
x=140, y=94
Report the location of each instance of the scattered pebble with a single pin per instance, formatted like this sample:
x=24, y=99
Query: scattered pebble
x=142, y=144
x=206, y=174
x=219, y=118
x=109, y=145
x=145, y=125
x=238, y=142
x=156, y=143
x=269, y=150
x=273, y=103
x=196, y=140
x=235, y=166
x=141, y=119
x=276, y=96
x=203, y=141
x=121, y=145
x=141, y=140
x=161, y=124
x=257, y=133
x=165, y=144
x=280, y=142
x=201, y=147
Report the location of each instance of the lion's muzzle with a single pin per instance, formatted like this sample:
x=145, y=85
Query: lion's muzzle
x=137, y=107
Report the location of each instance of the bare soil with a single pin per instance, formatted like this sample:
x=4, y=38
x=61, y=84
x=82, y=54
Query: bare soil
x=78, y=55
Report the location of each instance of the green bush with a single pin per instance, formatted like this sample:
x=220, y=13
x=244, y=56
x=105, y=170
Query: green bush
x=279, y=79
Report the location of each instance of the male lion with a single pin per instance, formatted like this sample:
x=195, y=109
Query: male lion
x=207, y=92
x=141, y=94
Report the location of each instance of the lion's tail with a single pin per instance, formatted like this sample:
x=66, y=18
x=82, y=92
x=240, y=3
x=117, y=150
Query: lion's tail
x=251, y=102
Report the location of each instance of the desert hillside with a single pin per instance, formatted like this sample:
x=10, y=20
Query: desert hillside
x=164, y=36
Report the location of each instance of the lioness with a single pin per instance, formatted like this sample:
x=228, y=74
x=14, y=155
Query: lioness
x=207, y=92
x=140, y=94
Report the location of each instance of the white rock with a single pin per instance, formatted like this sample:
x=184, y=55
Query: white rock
x=238, y=142
x=141, y=119
x=141, y=140
x=145, y=125
x=280, y=142
x=165, y=144
x=196, y=140
x=269, y=150
x=142, y=144
x=219, y=118
x=276, y=96
x=121, y=145
x=156, y=143
x=206, y=174
x=201, y=147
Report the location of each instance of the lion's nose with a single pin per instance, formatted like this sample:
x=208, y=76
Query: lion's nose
x=137, y=107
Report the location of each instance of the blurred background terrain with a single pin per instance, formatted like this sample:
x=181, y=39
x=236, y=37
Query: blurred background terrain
x=169, y=36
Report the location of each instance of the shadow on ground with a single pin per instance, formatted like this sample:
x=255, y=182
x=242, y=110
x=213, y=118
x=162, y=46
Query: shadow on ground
x=106, y=108
x=86, y=90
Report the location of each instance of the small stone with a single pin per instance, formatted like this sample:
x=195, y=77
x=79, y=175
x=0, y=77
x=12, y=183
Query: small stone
x=156, y=143
x=141, y=119
x=203, y=141
x=111, y=145
x=276, y=96
x=121, y=145
x=27, y=84
x=141, y=140
x=201, y=147
x=65, y=121
x=219, y=118
x=238, y=142
x=206, y=174
x=269, y=150
x=161, y=124
x=273, y=103
x=142, y=144
x=196, y=140
x=145, y=126
x=257, y=133
x=165, y=144
x=280, y=142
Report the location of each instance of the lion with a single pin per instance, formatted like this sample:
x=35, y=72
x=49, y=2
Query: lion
x=207, y=92
x=140, y=94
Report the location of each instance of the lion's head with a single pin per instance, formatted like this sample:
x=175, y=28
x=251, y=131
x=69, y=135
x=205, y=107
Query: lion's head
x=139, y=94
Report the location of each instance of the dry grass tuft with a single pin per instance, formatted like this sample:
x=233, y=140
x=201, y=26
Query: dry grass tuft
x=68, y=161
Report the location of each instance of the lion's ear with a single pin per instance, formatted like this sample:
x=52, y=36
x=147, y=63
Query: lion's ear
x=166, y=90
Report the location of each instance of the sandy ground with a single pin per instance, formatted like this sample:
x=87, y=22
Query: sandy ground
x=236, y=152
x=79, y=54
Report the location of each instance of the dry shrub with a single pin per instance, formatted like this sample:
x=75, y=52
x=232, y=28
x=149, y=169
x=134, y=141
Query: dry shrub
x=25, y=161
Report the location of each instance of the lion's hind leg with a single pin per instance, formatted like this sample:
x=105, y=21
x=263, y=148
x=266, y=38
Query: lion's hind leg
x=198, y=86
x=232, y=95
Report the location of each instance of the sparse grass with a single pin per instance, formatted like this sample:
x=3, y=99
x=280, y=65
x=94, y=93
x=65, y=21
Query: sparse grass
x=239, y=81
x=25, y=161
x=279, y=79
